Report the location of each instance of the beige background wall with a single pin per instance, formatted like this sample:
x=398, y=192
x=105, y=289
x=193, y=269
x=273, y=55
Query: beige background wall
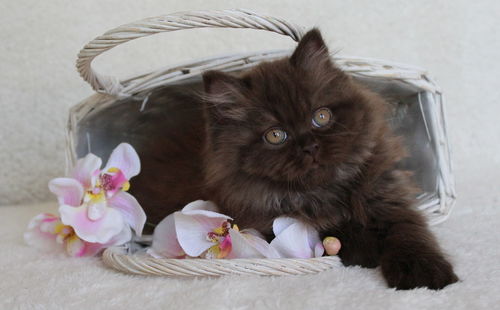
x=457, y=41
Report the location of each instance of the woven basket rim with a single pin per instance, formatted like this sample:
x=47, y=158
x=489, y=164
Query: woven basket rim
x=116, y=257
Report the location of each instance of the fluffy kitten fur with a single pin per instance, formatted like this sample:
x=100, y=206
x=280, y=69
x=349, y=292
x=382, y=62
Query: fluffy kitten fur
x=342, y=179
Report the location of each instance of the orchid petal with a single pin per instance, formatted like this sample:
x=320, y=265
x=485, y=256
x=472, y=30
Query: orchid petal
x=130, y=209
x=200, y=205
x=42, y=239
x=96, y=210
x=85, y=169
x=225, y=247
x=91, y=249
x=313, y=237
x=75, y=247
x=165, y=243
x=204, y=208
x=296, y=239
x=123, y=237
x=100, y=231
x=192, y=231
x=68, y=191
x=204, y=213
x=156, y=254
x=319, y=250
x=125, y=158
x=254, y=232
x=314, y=241
x=247, y=245
x=293, y=242
x=281, y=223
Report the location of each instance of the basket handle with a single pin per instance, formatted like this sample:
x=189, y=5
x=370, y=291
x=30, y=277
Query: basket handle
x=183, y=20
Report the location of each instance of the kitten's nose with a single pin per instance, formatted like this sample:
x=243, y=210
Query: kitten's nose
x=311, y=149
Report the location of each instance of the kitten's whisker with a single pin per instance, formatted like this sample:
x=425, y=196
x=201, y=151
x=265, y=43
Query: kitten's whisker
x=341, y=125
x=339, y=134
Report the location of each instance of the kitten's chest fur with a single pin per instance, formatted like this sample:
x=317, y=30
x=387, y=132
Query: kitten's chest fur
x=256, y=205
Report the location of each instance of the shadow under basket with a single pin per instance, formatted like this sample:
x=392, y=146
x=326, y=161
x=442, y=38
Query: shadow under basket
x=417, y=114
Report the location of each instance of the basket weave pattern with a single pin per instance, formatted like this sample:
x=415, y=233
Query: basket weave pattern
x=117, y=258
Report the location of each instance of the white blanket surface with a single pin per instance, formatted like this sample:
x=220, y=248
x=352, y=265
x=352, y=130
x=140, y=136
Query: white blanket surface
x=33, y=280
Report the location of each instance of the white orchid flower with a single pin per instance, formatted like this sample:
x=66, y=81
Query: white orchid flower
x=198, y=230
x=295, y=239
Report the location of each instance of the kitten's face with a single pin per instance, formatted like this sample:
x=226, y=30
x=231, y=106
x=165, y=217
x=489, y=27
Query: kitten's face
x=297, y=121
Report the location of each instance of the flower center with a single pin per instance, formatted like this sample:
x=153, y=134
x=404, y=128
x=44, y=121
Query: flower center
x=220, y=232
x=113, y=180
x=220, y=236
x=61, y=231
x=106, y=185
x=107, y=182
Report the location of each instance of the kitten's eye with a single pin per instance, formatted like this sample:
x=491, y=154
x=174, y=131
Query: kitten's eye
x=275, y=136
x=322, y=117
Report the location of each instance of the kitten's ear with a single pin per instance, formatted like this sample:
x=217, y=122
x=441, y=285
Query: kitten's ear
x=224, y=95
x=218, y=83
x=311, y=51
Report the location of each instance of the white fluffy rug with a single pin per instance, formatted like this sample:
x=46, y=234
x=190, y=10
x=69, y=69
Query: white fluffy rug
x=31, y=280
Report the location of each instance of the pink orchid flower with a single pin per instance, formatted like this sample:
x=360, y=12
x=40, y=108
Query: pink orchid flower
x=295, y=239
x=199, y=231
x=94, y=202
x=47, y=232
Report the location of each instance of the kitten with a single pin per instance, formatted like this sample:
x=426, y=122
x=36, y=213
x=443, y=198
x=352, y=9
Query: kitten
x=299, y=137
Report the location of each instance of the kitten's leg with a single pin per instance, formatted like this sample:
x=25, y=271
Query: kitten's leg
x=401, y=243
x=359, y=245
x=411, y=256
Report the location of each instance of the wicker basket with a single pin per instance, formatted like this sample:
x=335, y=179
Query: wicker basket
x=418, y=115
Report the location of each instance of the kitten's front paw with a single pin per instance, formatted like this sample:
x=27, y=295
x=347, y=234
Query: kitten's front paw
x=406, y=272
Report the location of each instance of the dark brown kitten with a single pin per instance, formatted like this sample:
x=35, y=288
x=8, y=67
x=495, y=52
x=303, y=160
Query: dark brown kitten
x=299, y=137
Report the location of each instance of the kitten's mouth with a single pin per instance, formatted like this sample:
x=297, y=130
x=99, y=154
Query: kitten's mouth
x=312, y=162
x=315, y=164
